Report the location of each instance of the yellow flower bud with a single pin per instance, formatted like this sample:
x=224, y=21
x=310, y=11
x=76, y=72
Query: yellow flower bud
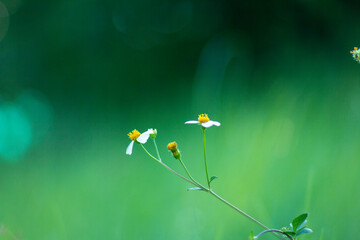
x=172, y=146
x=174, y=150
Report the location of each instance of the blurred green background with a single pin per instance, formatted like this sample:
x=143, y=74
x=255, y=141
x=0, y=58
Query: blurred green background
x=77, y=76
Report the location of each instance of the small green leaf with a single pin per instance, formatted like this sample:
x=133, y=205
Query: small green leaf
x=304, y=231
x=195, y=188
x=299, y=221
x=251, y=237
x=302, y=225
x=213, y=178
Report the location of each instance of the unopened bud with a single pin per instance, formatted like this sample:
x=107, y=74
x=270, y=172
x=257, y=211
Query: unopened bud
x=174, y=150
x=153, y=134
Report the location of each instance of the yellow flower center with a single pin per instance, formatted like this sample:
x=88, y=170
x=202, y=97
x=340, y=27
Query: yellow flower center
x=134, y=134
x=171, y=146
x=355, y=48
x=203, y=118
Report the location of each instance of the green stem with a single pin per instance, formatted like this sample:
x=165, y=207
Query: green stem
x=274, y=231
x=192, y=181
x=206, y=169
x=188, y=173
x=157, y=150
x=237, y=209
x=242, y=212
x=168, y=168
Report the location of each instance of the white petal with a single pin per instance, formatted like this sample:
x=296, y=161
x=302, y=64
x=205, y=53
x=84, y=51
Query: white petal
x=216, y=123
x=192, y=122
x=143, y=137
x=151, y=131
x=129, y=148
x=210, y=123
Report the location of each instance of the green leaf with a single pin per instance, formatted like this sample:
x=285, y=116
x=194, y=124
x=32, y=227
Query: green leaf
x=304, y=231
x=302, y=225
x=299, y=221
x=213, y=178
x=195, y=188
x=251, y=237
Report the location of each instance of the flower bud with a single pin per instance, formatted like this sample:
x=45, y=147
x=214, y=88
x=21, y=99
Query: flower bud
x=153, y=134
x=356, y=54
x=174, y=150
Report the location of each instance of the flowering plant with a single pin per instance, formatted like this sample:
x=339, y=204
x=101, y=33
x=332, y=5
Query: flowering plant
x=356, y=54
x=297, y=226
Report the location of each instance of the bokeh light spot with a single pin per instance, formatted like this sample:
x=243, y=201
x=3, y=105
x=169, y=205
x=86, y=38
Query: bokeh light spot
x=23, y=122
x=15, y=132
x=38, y=111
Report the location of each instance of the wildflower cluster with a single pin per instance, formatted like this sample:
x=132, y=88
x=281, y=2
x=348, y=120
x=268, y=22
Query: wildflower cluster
x=204, y=122
x=356, y=54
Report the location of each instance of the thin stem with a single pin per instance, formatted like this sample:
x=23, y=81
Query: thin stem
x=157, y=150
x=171, y=170
x=242, y=212
x=188, y=173
x=273, y=231
x=149, y=153
x=192, y=181
x=237, y=209
x=206, y=169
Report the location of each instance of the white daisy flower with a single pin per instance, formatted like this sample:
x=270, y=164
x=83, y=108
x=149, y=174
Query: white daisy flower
x=145, y=135
x=204, y=121
x=135, y=136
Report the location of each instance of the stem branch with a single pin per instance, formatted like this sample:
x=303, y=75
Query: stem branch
x=192, y=181
x=187, y=171
x=171, y=170
x=157, y=150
